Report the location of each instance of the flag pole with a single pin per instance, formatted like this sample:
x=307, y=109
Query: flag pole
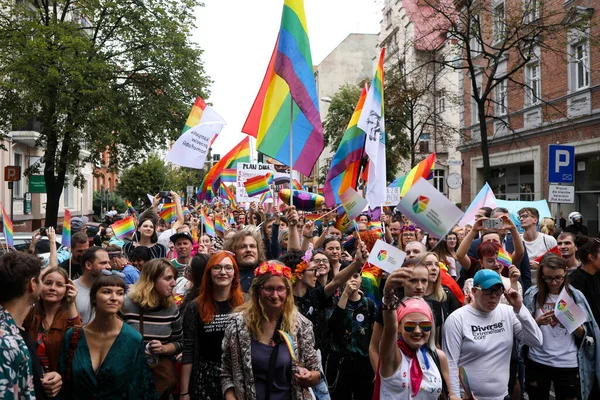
x=291, y=154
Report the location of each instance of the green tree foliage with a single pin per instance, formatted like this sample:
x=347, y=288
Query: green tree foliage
x=97, y=75
x=342, y=106
x=110, y=199
x=152, y=176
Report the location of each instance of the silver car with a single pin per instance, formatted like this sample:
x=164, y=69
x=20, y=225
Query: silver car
x=22, y=240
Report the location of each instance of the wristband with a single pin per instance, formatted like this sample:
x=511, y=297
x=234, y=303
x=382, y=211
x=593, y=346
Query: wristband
x=308, y=237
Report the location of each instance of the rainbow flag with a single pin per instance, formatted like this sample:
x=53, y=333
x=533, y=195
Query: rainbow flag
x=124, y=227
x=320, y=191
x=66, y=230
x=288, y=93
x=256, y=185
x=345, y=164
x=229, y=175
x=209, y=225
x=296, y=185
x=424, y=170
x=195, y=117
x=342, y=221
x=212, y=179
x=371, y=285
x=219, y=224
x=289, y=342
x=131, y=209
x=504, y=257
x=186, y=211
x=266, y=196
x=8, y=228
x=226, y=193
x=168, y=213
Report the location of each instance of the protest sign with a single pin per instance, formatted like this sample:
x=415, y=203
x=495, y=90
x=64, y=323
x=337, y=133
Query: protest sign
x=385, y=256
x=249, y=170
x=353, y=203
x=392, y=196
x=569, y=314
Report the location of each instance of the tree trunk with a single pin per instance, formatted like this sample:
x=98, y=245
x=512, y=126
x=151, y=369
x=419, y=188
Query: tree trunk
x=485, y=153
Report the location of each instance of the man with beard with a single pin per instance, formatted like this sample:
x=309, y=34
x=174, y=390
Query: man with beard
x=568, y=250
x=248, y=248
x=93, y=261
x=80, y=244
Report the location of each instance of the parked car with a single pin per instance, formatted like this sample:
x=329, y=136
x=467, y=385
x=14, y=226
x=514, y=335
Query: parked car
x=22, y=240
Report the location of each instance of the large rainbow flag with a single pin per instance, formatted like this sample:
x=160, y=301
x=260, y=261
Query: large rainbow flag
x=346, y=160
x=288, y=96
x=8, y=228
x=240, y=153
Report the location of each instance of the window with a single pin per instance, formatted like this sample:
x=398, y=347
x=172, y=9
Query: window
x=499, y=24
x=388, y=17
x=500, y=94
x=474, y=111
x=424, y=143
x=438, y=179
x=69, y=193
x=532, y=11
x=441, y=101
x=475, y=41
x=581, y=65
x=532, y=84
x=18, y=185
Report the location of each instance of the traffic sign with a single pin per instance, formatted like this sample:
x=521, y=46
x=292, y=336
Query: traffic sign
x=12, y=173
x=561, y=194
x=561, y=164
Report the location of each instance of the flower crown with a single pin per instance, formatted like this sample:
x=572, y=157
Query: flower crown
x=274, y=269
x=302, y=265
x=410, y=228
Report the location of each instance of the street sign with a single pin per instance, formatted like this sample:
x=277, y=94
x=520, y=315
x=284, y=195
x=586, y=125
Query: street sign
x=561, y=163
x=455, y=162
x=561, y=194
x=12, y=173
x=37, y=184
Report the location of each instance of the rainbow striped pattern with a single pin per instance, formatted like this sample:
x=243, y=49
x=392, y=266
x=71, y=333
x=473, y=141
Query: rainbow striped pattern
x=226, y=193
x=288, y=95
x=289, y=342
x=266, y=196
x=131, y=209
x=186, y=211
x=195, y=114
x=424, y=170
x=370, y=285
x=296, y=185
x=229, y=175
x=219, y=224
x=345, y=164
x=256, y=185
x=209, y=225
x=504, y=257
x=124, y=227
x=8, y=228
x=240, y=153
x=168, y=213
x=66, y=230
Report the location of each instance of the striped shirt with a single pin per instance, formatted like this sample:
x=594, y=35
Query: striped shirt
x=163, y=324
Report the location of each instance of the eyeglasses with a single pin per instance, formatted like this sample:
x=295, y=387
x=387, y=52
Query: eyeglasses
x=311, y=270
x=113, y=272
x=491, y=292
x=407, y=234
x=321, y=261
x=557, y=279
x=523, y=216
x=270, y=289
x=114, y=254
x=410, y=326
x=226, y=268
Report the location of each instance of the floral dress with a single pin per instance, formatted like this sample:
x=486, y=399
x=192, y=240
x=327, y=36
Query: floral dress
x=16, y=374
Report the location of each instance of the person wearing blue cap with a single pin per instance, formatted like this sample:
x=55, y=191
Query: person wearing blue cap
x=481, y=335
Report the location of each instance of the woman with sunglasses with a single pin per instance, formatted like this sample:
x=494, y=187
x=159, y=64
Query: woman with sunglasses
x=564, y=359
x=204, y=324
x=151, y=310
x=408, y=233
x=105, y=359
x=410, y=365
x=268, y=348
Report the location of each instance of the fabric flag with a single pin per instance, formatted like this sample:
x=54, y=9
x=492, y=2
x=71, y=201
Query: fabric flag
x=347, y=157
x=209, y=225
x=169, y=214
x=186, y=211
x=202, y=126
x=8, y=228
x=296, y=185
x=256, y=185
x=229, y=175
x=124, y=227
x=211, y=182
x=266, y=197
x=424, y=170
x=131, y=209
x=288, y=96
x=66, y=230
x=372, y=122
x=228, y=194
x=219, y=224
x=485, y=198
x=504, y=257
x=537, y=260
x=353, y=203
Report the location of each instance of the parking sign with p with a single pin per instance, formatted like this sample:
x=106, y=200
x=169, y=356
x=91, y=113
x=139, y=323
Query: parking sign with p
x=561, y=164
x=12, y=173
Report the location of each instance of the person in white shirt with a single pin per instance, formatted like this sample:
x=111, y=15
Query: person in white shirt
x=479, y=337
x=536, y=243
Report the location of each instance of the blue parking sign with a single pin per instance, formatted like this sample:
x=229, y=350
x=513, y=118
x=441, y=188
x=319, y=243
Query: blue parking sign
x=561, y=164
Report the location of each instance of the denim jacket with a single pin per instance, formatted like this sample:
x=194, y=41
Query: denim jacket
x=588, y=354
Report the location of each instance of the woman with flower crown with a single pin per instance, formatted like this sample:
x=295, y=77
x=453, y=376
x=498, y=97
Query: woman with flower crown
x=268, y=348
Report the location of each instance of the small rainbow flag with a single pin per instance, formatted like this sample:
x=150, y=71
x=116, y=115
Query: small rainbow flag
x=219, y=224
x=231, y=219
x=229, y=175
x=131, y=209
x=8, y=228
x=124, y=227
x=311, y=217
x=266, y=196
x=186, y=211
x=209, y=225
x=256, y=185
x=296, y=185
x=168, y=213
x=504, y=257
x=226, y=193
x=66, y=230
x=320, y=191
x=289, y=343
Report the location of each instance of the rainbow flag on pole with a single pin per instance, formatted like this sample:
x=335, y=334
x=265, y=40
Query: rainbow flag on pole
x=256, y=185
x=346, y=160
x=168, y=213
x=266, y=197
x=424, y=170
x=504, y=257
x=229, y=175
x=8, y=228
x=131, y=209
x=219, y=224
x=296, y=185
x=124, y=227
x=209, y=225
x=226, y=193
x=66, y=230
x=287, y=96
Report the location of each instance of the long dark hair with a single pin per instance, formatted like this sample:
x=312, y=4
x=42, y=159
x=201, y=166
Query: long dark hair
x=197, y=267
x=552, y=261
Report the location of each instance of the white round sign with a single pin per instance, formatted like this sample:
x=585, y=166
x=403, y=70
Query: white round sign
x=454, y=181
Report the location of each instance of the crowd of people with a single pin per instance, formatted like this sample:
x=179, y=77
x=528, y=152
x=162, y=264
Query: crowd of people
x=280, y=306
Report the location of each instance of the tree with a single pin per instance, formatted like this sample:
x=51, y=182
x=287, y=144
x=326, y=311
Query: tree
x=98, y=75
x=112, y=199
x=496, y=41
x=342, y=106
x=153, y=175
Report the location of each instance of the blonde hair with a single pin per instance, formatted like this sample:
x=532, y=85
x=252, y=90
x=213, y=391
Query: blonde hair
x=547, y=226
x=143, y=293
x=254, y=311
x=438, y=293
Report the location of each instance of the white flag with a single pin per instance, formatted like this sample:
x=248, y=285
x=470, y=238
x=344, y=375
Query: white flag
x=191, y=148
x=372, y=122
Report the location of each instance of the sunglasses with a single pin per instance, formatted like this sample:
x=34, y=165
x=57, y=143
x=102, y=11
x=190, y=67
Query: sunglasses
x=491, y=292
x=410, y=326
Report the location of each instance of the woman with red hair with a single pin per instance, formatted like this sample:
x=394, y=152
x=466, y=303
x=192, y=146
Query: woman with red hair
x=204, y=324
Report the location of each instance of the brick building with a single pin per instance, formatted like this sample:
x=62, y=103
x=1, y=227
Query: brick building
x=553, y=99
